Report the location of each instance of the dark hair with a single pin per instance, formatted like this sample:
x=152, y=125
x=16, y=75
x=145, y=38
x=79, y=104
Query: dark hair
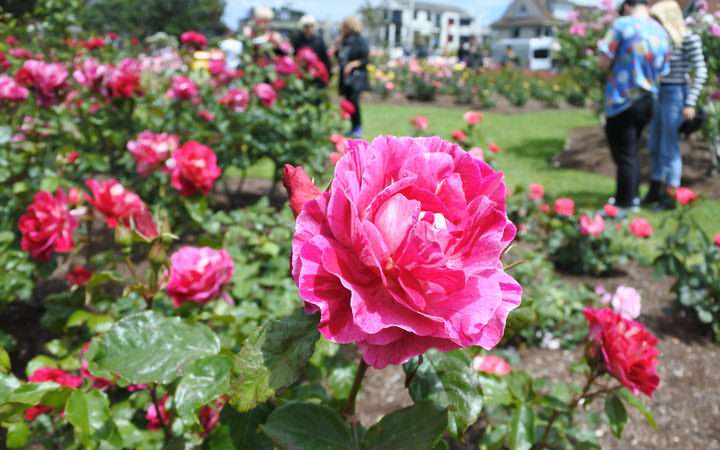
x=621, y=9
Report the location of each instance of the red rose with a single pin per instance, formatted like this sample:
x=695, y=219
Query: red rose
x=194, y=169
x=640, y=227
x=420, y=122
x=47, y=226
x=564, y=207
x=347, y=109
x=611, y=210
x=32, y=412
x=299, y=186
x=124, y=79
x=73, y=156
x=194, y=39
x=115, y=202
x=78, y=276
x=235, y=99
x=685, y=196
x=626, y=347
x=459, y=136
x=205, y=115
x=717, y=240
x=494, y=148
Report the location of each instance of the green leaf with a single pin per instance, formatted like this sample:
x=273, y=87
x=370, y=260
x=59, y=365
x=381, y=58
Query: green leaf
x=17, y=434
x=522, y=432
x=4, y=361
x=34, y=393
x=616, y=414
x=150, y=348
x=288, y=345
x=241, y=431
x=87, y=411
x=196, y=208
x=638, y=404
x=449, y=380
x=207, y=379
x=418, y=427
x=250, y=385
x=8, y=383
x=307, y=426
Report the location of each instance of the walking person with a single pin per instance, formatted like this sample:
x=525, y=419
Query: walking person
x=352, y=53
x=677, y=102
x=635, y=53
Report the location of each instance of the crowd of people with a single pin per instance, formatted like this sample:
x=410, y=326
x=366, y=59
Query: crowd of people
x=655, y=74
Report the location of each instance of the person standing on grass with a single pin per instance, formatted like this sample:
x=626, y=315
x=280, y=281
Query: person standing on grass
x=635, y=52
x=676, y=103
x=352, y=51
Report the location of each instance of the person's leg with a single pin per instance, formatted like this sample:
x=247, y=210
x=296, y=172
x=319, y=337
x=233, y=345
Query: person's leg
x=671, y=136
x=621, y=134
x=656, y=166
x=641, y=115
x=356, y=117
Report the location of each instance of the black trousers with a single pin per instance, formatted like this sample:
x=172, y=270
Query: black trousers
x=353, y=97
x=623, y=133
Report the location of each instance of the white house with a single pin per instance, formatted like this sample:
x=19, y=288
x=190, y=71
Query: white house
x=415, y=24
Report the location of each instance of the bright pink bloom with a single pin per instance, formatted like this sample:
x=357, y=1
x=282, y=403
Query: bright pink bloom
x=715, y=30
x=198, y=274
x=11, y=40
x=389, y=85
x=285, y=65
x=685, y=196
x=47, y=226
x=194, y=39
x=235, y=99
x=194, y=169
x=312, y=64
x=20, y=53
x=611, y=210
x=155, y=418
x=265, y=93
x=564, y=207
x=58, y=376
x=299, y=186
x=91, y=73
x=11, y=90
x=72, y=157
x=494, y=148
x=717, y=240
x=347, y=109
x=46, y=79
x=151, y=150
x=402, y=253
x=123, y=80
x=536, y=191
x=640, y=227
x=420, y=122
x=182, y=88
x=491, y=364
x=473, y=117
x=627, y=302
x=32, y=412
x=626, y=347
x=578, y=29
x=459, y=136
x=78, y=276
x=205, y=115
x=115, y=202
x=592, y=226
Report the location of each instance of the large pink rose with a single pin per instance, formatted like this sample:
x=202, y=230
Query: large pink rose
x=402, y=253
x=265, y=93
x=592, y=226
x=47, y=79
x=198, y=274
x=285, y=65
x=150, y=150
x=115, y=202
x=11, y=90
x=91, y=73
x=194, y=169
x=564, y=207
x=123, y=80
x=47, y=226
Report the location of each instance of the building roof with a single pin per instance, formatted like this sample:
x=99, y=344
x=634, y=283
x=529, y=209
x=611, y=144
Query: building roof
x=541, y=16
x=440, y=8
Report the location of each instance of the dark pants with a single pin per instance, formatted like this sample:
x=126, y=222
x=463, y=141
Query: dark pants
x=623, y=133
x=354, y=97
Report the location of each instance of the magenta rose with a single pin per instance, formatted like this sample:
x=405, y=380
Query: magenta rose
x=194, y=169
x=116, y=203
x=194, y=39
x=47, y=226
x=91, y=73
x=198, y=274
x=11, y=90
x=182, y=88
x=265, y=93
x=123, y=80
x=235, y=99
x=47, y=80
x=402, y=253
x=151, y=150
x=285, y=65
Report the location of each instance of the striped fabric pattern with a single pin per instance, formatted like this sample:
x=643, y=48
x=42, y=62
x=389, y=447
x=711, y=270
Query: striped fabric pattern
x=686, y=59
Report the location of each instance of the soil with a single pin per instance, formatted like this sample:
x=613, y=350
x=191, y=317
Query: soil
x=586, y=149
x=686, y=406
x=502, y=105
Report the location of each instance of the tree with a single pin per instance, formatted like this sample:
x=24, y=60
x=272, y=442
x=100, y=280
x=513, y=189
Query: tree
x=145, y=17
x=373, y=17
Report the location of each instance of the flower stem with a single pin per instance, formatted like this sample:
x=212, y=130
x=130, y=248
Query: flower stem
x=349, y=410
x=161, y=419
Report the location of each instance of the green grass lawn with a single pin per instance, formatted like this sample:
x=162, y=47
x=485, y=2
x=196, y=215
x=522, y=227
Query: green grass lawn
x=528, y=141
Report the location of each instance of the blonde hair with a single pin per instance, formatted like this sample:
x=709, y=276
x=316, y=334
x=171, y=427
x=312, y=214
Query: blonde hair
x=263, y=13
x=670, y=16
x=353, y=24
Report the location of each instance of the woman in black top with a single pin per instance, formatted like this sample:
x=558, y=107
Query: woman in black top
x=352, y=54
x=310, y=38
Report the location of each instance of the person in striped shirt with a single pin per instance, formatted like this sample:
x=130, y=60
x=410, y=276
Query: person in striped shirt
x=677, y=102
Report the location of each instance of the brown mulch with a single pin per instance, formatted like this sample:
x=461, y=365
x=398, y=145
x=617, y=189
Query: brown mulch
x=686, y=405
x=586, y=149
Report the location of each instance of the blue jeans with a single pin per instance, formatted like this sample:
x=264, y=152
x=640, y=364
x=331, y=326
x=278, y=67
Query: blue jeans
x=665, y=158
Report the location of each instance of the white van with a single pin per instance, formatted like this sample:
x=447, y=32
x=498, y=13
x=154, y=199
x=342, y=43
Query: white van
x=534, y=53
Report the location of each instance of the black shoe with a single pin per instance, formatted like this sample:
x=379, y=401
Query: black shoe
x=654, y=194
x=666, y=203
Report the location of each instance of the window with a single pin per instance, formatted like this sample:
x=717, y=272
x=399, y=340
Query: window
x=541, y=53
x=516, y=32
x=451, y=21
x=466, y=22
x=538, y=31
x=397, y=16
x=451, y=38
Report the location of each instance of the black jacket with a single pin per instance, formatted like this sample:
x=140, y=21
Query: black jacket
x=316, y=44
x=354, y=47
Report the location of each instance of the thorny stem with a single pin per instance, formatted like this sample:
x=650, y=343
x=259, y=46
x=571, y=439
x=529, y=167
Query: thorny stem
x=349, y=410
x=573, y=405
x=161, y=419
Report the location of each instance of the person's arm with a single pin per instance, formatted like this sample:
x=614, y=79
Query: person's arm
x=607, y=48
x=692, y=48
x=361, y=56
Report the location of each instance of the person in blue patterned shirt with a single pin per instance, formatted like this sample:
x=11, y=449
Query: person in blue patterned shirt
x=635, y=53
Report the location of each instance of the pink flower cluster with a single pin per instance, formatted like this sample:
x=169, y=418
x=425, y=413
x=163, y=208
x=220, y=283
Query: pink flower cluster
x=402, y=253
x=11, y=91
x=47, y=80
x=626, y=301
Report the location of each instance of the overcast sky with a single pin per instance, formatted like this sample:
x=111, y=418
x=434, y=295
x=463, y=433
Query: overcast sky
x=485, y=10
